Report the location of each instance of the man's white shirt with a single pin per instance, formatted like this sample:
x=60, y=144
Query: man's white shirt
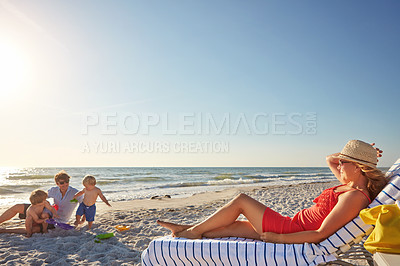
x=65, y=206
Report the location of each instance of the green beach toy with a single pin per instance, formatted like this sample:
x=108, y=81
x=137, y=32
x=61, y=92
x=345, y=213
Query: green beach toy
x=97, y=241
x=105, y=236
x=73, y=200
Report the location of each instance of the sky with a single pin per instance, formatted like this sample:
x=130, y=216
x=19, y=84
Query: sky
x=196, y=83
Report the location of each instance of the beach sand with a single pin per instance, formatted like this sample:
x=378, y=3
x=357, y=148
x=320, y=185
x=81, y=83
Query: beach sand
x=60, y=247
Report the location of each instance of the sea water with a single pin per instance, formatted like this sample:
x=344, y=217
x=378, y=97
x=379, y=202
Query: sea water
x=127, y=183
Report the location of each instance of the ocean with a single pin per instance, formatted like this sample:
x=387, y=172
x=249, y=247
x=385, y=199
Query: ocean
x=127, y=183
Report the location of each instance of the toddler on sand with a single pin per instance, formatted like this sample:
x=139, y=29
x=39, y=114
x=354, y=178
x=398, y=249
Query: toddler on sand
x=88, y=207
x=35, y=215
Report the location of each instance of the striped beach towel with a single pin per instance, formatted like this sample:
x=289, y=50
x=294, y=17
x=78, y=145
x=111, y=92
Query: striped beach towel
x=230, y=251
x=240, y=251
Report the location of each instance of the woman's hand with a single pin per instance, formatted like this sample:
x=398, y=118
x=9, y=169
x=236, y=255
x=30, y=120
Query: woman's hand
x=270, y=237
x=378, y=151
x=333, y=158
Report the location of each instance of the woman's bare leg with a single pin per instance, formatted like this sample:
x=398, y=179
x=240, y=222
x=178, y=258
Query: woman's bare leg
x=227, y=215
x=11, y=212
x=19, y=230
x=237, y=229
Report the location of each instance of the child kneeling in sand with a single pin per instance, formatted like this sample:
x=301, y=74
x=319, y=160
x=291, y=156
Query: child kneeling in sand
x=35, y=216
x=88, y=206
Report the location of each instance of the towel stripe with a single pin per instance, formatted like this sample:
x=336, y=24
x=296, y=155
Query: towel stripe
x=348, y=231
x=284, y=252
x=202, y=252
x=245, y=254
x=389, y=196
x=295, y=257
x=155, y=252
x=341, y=239
x=144, y=262
x=380, y=203
x=313, y=251
x=162, y=253
x=169, y=253
x=265, y=254
x=211, y=257
x=255, y=253
x=237, y=252
x=194, y=255
x=331, y=243
x=177, y=252
x=326, y=250
x=359, y=227
x=303, y=252
x=395, y=185
x=219, y=251
x=227, y=253
x=186, y=254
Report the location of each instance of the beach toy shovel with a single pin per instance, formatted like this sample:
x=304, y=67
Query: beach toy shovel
x=121, y=228
x=58, y=224
x=105, y=236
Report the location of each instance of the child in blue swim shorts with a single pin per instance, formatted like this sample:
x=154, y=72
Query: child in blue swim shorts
x=87, y=209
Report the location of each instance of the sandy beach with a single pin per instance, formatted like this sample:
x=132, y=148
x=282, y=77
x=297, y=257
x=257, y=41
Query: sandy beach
x=60, y=247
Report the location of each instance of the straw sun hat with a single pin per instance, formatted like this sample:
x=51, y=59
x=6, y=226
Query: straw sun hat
x=360, y=152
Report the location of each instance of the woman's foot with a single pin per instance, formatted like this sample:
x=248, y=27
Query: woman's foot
x=174, y=228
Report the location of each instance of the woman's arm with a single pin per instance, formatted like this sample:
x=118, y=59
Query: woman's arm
x=349, y=206
x=333, y=164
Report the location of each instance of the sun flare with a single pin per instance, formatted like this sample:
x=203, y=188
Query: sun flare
x=13, y=70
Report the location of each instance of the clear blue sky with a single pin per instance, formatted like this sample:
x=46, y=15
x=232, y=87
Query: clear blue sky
x=65, y=59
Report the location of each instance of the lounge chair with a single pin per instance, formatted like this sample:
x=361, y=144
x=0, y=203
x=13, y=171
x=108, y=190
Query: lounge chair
x=240, y=251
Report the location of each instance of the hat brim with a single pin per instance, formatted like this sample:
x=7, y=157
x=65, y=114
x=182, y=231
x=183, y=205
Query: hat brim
x=347, y=158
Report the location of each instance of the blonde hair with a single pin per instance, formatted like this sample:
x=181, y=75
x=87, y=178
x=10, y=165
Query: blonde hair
x=376, y=179
x=89, y=180
x=37, y=196
x=61, y=176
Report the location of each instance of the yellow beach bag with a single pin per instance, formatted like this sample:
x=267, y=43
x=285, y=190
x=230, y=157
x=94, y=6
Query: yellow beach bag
x=386, y=235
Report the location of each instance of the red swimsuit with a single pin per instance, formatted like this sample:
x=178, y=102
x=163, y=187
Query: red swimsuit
x=305, y=220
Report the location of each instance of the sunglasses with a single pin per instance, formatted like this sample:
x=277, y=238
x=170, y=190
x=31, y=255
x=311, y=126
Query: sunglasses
x=63, y=182
x=342, y=162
